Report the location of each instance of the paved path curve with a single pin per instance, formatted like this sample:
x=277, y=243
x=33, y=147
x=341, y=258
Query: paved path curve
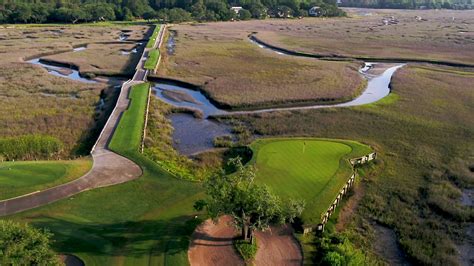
x=108, y=168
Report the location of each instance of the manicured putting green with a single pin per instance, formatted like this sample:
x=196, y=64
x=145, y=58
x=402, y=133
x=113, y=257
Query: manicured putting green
x=18, y=178
x=311, y=169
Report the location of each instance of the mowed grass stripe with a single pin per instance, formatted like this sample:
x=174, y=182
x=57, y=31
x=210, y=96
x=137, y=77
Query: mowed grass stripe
x=152, y=60
x=310, y=169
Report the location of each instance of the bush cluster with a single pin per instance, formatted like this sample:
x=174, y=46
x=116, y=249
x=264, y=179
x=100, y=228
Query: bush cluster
x=246, y=249
x=29, y=147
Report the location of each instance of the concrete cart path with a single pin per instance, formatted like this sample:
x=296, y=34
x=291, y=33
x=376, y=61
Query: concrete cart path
x=108, y=169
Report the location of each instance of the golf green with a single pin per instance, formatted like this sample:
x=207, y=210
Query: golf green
x=19, y=178
x=310, y=169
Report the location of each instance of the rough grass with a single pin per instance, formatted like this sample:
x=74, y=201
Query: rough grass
x=314, y=170
x=152, y=59
x=101, y=59
x=36, y=102
x=238, y=74
x=19, y=178
x=440, y=37
x=146, y=221
x=423, y=137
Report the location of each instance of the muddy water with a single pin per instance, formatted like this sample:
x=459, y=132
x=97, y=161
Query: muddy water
x=60, y=71
x=193, y=135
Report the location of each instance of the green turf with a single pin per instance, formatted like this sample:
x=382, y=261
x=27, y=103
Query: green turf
x=154, y=35
x=19, y=178
x=143, y=222
x=152, y=60
x=311, y=169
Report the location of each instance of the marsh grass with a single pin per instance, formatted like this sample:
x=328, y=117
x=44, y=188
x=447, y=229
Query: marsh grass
x=424, y=131
x=238, y=74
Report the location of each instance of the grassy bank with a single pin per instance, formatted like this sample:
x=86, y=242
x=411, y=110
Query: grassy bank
x=154, y=35
x=19, y=178
x=423, y=134
x=152, y=60
x=314, y=170
x=146, y=221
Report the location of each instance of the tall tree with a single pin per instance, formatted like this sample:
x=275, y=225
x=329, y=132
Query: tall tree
x=253, y=206
x=21, y=244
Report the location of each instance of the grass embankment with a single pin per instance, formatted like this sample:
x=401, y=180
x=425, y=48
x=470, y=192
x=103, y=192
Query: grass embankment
x=152, y=60
x=19, y=178
x=146, y=221
x=314, y=170
x=423, y=133
x=154, y=35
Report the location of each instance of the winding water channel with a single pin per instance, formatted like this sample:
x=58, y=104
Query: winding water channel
x=193, y=135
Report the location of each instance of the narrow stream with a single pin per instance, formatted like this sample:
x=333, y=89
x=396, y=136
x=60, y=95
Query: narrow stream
x=193, y=135
x=61, y=71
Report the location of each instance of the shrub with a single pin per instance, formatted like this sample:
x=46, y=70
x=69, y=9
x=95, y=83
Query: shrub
x=21, y=244
x=246, y=249
x=225, y=141
x=29, y=147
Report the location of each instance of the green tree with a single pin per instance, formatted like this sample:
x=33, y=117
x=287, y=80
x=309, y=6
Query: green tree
x=21, y=244
x=253, y=207
x=244, y=14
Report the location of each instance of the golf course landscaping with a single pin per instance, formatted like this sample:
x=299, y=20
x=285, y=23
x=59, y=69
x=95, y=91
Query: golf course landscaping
x=311, y=169
x=19, y=178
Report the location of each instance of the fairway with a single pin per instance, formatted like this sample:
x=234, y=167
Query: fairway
x=310, y=169
x=19, y=178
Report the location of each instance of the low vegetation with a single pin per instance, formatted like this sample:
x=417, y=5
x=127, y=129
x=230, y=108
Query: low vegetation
x=152, y=60
x=395, y=34
x=429, y=110
x=40, y=103
x=30, y=147
x=209, y=56
x=159, y=148
x=245, y=249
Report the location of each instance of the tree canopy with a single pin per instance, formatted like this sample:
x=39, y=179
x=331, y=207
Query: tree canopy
x=253, y=206
x=21, y=244
x=76, y=11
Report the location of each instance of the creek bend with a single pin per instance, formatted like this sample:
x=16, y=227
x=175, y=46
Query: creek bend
x=194, y=135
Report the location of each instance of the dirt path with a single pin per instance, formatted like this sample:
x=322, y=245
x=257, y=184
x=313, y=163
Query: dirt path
x=108, y=169
x=211, y=244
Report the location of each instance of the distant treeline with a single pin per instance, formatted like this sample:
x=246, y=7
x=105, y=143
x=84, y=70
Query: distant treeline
x=29, y=147
x=410, y=4
x=76, y=11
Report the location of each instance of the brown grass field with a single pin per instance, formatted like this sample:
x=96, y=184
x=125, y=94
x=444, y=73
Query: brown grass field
x=423, y=135
x=446, y=35
x=36, y=102
x=239, y=74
